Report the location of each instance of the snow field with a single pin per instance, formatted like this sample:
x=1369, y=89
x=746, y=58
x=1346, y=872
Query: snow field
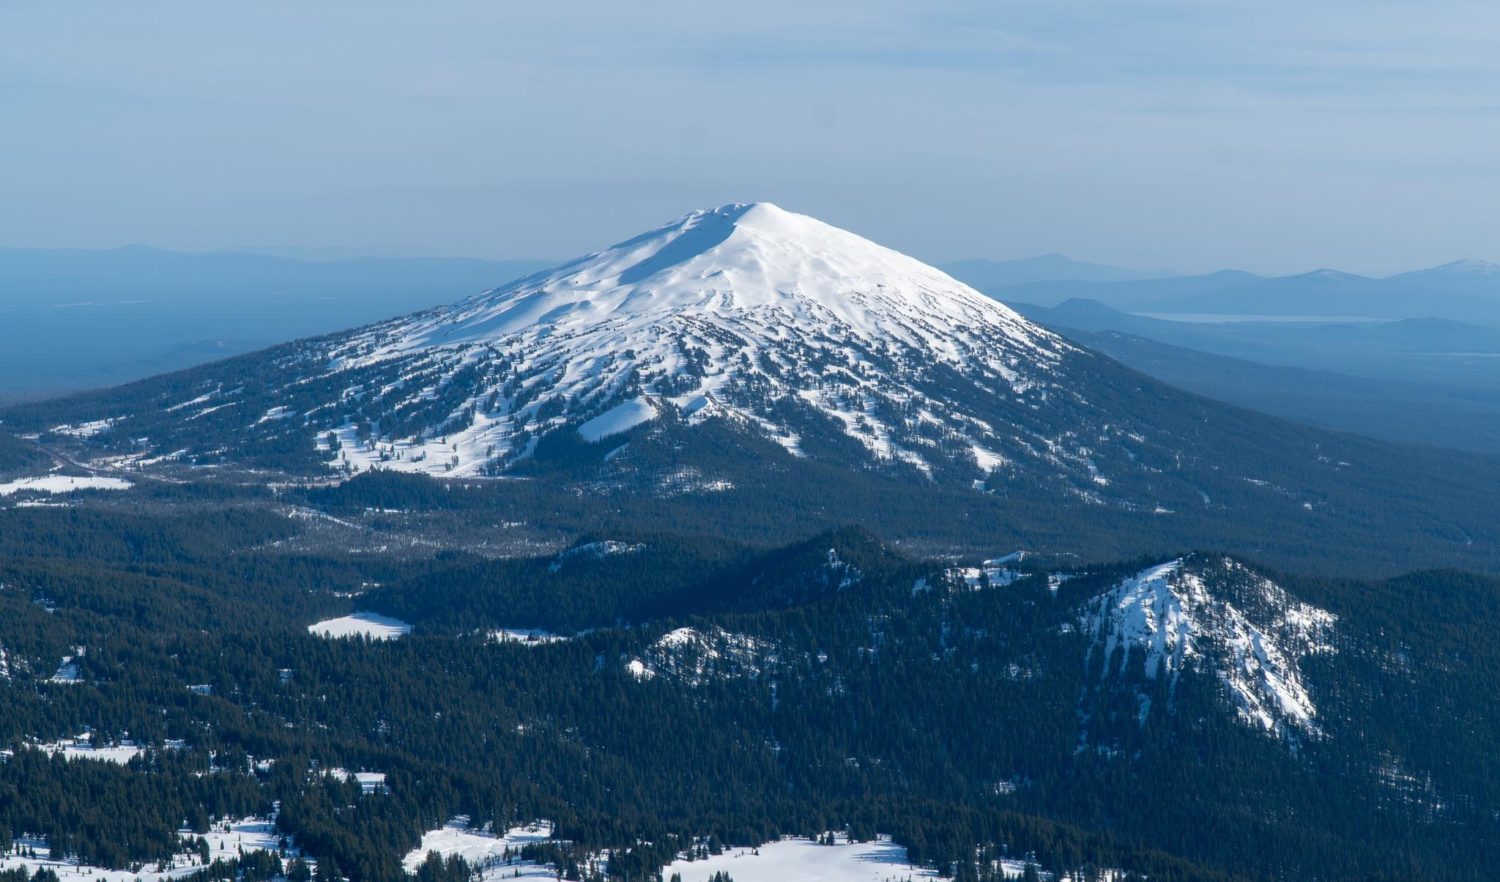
x=369, y=782
x=83, y=749
x=526, y=636
x=620, y=418
x=63, y=484
x=485, y=851
x=361, y=624
x=226, y=840
x=806, y=861
x=1169, y=614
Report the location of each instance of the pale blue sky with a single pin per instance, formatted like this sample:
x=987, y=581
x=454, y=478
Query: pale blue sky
x=1275, y=136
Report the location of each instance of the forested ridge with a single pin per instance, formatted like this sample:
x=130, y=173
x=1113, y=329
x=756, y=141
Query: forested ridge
x=948, y=717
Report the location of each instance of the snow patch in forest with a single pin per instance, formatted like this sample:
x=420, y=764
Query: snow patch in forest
x=994, y=573
x=67, y=669
x=695, y=657
x=63, y=484
x=526, y=636
x=83, y=748
x=596, y=550
x=618, y=419
x=361, y=624
x=806, y=861
x=369, y=782
x=484, y=851
x=86, y=430
x=226, y=840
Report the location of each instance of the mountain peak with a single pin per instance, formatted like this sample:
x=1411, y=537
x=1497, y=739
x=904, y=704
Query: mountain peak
x=1470, y=277
x=1219, y=617
x=753, y=264
x=1472, y=266
x=1330, y=275
x=744, y=311
x=809, y=336
x=750, y=214
x=741, y=256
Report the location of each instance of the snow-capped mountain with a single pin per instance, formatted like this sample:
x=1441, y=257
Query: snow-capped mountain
x=1217, y=617
x=746, y=311
x=769, y=319
x=1469, y=267
x=1470, y=276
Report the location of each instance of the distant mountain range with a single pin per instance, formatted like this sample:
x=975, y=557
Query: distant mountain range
x=1424, y=351
x=76, y=319
x=1478, y=277
x=988, y=274
x=1391, y=410
x=1325, y=293
x=1466, y=290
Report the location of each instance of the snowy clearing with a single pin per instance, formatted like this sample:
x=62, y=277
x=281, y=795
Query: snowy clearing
x=63, y=484
x=485, y=851
x=991, y=574
x=361, y=624
x=369, y=782
x=806, y=861
x=527, y=636
x=86, y=430
x=83, y=749
x=226, y=839
x=67, y=669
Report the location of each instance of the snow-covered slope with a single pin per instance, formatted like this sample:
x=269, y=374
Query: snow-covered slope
x=741, y=310
x=827, y=343
x=492, y=856
x=695, y=657
x=1220, y=618
x=1470, y=276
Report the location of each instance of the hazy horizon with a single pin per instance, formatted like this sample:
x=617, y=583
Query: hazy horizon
x=319, y=254
x=1179, y=136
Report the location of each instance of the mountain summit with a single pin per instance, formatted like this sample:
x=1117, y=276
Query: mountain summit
x=746, y=311
x=729, y=262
